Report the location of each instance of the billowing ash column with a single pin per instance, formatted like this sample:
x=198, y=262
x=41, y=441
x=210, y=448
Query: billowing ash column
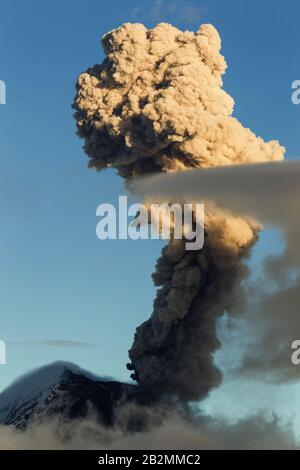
x=155, y=104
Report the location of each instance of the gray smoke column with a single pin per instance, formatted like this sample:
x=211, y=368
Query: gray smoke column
x=156, y=104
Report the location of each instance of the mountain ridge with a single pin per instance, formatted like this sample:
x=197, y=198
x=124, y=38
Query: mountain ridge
x=64, y=391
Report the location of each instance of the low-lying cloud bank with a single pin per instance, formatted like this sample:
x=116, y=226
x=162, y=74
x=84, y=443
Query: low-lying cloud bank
x=255, y=432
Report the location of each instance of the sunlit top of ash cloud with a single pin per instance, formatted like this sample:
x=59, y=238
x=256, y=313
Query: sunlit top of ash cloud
x=156, y=103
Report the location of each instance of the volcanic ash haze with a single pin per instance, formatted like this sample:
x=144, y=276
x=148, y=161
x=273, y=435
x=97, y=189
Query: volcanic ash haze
x=156, y=104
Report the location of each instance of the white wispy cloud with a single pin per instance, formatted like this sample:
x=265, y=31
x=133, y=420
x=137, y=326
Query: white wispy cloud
x=162, y=10
x=52, y=343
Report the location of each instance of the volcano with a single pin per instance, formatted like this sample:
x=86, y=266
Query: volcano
x=64, y=391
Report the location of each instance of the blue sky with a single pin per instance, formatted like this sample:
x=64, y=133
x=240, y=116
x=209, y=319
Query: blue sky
x=57, y=281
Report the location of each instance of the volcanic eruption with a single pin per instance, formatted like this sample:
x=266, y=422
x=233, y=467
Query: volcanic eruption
x=156, y=104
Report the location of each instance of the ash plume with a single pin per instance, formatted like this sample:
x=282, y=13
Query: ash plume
x=269, y=325
x=156, y=104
